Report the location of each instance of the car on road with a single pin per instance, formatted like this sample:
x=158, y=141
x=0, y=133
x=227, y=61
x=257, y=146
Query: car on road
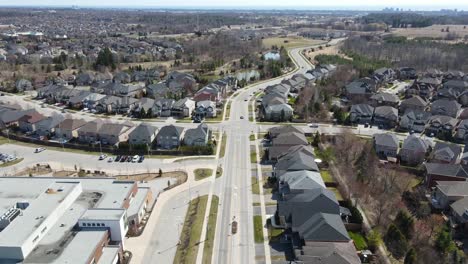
x=110, y=159
x=39, y=150
x=234, y=227
x=141, y=159
x=313, y=125
x=242, y=117
x=102, y=156
x=245, y=100
x=135, y=158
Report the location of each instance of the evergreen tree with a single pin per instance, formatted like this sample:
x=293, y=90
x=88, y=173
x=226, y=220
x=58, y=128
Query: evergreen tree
x=396, y=241
x=410, y=257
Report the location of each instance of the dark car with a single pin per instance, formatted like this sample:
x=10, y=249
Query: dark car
x=234, y=227
x=129, y=158
x=123, y=159
x=141, y=159
x=117, y=159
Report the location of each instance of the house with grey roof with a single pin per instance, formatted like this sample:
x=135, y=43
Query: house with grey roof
x=446, y=153
x=447, y=192
x=297, y=181
x=183, y=108
x=205, y=109
x=445, y=107
x=143, y=134
x=386, y=116
x=68, y=128
x=444, y=172
x=29, y=120
x=459, y=213
x=386, y=145
x=169, y=137
x=47, y=126
x=278, y=130
x=441, y=126
x=114, y=133
x=415, y=103
x=358, y=90
x=199, y=136
x=295, y=209
x=461, y=133
x=414, y=150
x=163, y=107
x=414, y=121
x=22, y=85
x=381, y=99
x=158, y=90
x=278, y=112
x=361, y=114
x=295, y=161
x=326, y=253
x=384, y=75
x=283, y=142
x=322, y=227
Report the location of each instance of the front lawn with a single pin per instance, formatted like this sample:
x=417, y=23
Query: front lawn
x=258, y=229
x=326, y=176
x=202, y=173
x=359, y=240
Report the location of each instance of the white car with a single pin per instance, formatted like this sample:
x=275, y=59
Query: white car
x=313, y=125
x=102, y=156
x=39, y=150
x=135, y=158
x=110, y=159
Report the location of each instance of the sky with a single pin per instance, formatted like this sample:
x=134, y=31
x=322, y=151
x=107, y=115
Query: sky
x=312, y=4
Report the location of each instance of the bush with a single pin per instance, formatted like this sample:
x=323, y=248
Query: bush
x=374, y=240
x=444, y=242
x=405, y=223
x=356, y=216
x=396, y=241
x=410, y=257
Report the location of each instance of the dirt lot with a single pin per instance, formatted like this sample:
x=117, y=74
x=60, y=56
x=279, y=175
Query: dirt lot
x=289, y=42
x=434, y=31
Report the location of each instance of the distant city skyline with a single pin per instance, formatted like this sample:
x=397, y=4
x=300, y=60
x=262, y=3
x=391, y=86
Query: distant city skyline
x=247, y=4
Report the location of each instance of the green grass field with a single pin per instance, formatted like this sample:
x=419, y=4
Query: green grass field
x=255, y=186
x=202, y=173
x=258, y=229
x=326, y=176
x=210, y=230
x=289, y=42
x=359, y=240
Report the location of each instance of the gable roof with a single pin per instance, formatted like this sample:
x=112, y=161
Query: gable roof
x=323, y=227
x=328, y=253
x=71, y=124
x=386, y=139
x=297, y=161
x=414, y=143
x=385, y=97
x=460, y=208
x=450, y=170
x=362, y=109
x=275, y=131
x=416, y=100
x=170, y=130
x=144, y=130
x=443, y=148
x=302, y=180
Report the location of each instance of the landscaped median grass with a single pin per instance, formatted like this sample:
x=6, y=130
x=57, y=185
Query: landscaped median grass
x=219, y=172
x=202, y=173
x=359, y=240
x=222, y=151
x=255, y=186
x=252, y=137
x=210, y=230
x=190, y=237
x=11, y=163
x=253, y=156
x=258, y=229
x=228, y=111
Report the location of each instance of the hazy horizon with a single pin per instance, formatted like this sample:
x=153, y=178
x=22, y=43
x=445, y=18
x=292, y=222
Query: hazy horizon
x=243, y=4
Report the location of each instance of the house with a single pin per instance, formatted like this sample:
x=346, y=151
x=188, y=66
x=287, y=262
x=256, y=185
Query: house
x=441, y=126
x=459, y=213
x=199, y=136
x=89, y=132
x=278, y=112
x=361, y=114
x=446, y=153
x=158, y=90
x=113, y=104
x=163, y=107
x=208, y=93
x=296, y=209
x=414, y=121
x=444, y=172
x=385, y=116
x=47, y=126
x=425, y=88
x=387, y=99
x=143, y=134
x=297, y=181
x=28, y=122
x=406, y=73
x=68, y=128
x=384, y=75
x=326, y=253
x=282, y=143
x=358, y=90
x=276, y=131
x=322, y=227
x=145, y=107
x=205, y=109
x=10, y=116
x=447, y=192
x=114, y=133
x=445, y=107
x=415, y=103
x=462, y=131
x=386, y=145
x=179, y=83
x=169, y=137
x=122, y=77
x=183, y=108
x=298, y=159
x=414, y=150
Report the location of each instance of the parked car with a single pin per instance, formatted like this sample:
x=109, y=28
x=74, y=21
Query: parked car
x=102, y=156
x=39, y=150
x=313, y=125
x=135, y=158
x=129, y=158
x=117, y=158
x=110, y=159
x=123, y=159
x=141, y=159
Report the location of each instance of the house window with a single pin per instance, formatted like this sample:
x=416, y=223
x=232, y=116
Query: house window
x=94, y=224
